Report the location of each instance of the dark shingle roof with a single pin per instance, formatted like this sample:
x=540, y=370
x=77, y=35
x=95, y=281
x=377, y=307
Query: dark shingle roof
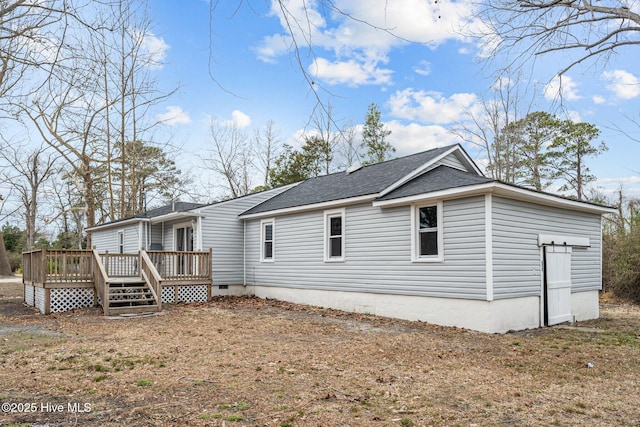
x=440, y=178
x=175, y=207
x=164, y=210
x=368, y=180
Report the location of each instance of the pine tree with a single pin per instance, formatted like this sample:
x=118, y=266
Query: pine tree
x=374, y=136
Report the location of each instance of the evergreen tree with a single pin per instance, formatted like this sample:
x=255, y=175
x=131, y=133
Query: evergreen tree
x=570, y=150
x=374, y=136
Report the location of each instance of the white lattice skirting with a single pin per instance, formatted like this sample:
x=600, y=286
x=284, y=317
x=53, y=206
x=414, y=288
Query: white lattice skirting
x=195, y=293
x=29, y=295
x=70, y=298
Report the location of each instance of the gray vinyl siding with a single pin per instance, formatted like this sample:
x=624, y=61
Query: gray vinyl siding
x=223, y=232
x=107, y=240
x=377, y=253
x=452, y=161
x=517, y=265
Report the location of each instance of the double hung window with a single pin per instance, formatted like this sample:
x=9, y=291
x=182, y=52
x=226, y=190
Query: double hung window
x=334, y=235
x=427, y=234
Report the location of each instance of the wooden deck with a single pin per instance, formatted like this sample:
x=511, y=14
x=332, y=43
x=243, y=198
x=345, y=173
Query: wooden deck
x=118, y=280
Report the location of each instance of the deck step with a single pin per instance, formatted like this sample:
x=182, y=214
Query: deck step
x=130, y=295
x=115, y=311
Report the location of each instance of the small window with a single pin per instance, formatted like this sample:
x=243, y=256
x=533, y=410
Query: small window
x=267, y=248
x=428, y=230
x=427, y=241
x=334, y=232
x=121, y=242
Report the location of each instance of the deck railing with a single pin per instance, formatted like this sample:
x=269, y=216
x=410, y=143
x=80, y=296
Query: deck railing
x=120, y=265
x=57, y=266
x=182, y=265
x=79, y=265
x=151, y=276
x=100, y=280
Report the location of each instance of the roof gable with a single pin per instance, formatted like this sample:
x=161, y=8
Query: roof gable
x=441, y=178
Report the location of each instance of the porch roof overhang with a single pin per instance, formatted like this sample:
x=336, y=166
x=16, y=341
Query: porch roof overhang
x=499, y=189
x=117, y=224
x=173, y=216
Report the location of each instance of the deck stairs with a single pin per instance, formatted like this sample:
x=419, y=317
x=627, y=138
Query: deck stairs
x=130, y=295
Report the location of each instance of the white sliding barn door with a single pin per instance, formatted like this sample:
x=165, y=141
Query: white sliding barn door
x=558, y=284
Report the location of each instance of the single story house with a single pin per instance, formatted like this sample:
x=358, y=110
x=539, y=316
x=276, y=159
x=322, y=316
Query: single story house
x=423, y=237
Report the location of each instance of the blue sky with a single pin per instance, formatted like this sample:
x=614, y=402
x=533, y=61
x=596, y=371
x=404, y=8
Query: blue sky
x=422, y=89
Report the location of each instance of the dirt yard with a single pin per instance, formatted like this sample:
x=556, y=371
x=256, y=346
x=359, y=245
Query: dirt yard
x=251, y=362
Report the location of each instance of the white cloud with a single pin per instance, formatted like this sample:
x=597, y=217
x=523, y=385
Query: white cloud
x=432, y=107
x=174, y=116
x=629, y=180
x=597, y=99
x=239, y=119
x=362, y=43
x=574, y=116
x=423, y=68
x=155, y=50
x=349, y=72
x=622, y=83
x=630, y=186
x=562, y=87
x=272, y=47
x=414, y=138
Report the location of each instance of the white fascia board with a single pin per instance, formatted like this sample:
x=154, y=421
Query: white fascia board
x=175, y=215
x=312, y=207
x=429, y=165
x=117, y=224
x=499, y=189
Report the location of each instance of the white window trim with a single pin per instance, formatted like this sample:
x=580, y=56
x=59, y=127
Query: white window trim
x=415, y=229
x=328, y=214
x=121, y=243
x=263, y=223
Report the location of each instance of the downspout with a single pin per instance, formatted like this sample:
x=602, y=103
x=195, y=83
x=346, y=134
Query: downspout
x=244, y=254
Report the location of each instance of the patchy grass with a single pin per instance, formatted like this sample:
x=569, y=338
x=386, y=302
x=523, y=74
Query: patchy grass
x=245, y=361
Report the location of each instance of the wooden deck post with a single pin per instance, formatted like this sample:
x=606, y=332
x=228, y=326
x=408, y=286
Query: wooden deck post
x=43, y=272
x=47, y=301
x=209, y=264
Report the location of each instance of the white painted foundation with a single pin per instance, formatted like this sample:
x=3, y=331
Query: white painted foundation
x=232, y=290
x=496, y=316
x=585, y=305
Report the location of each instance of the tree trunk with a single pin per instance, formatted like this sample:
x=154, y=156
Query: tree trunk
x=5, y=267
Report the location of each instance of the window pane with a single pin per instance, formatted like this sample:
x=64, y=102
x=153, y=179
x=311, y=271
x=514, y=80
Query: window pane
x=268, y=250
x=335, y=250
x=268, y=232
x=336, y=226
x=429, y=217
x=428, y=243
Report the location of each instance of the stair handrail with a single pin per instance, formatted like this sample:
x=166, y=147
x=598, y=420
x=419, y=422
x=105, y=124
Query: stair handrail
x=150, y=286
x=101, y=281
x=149, y=272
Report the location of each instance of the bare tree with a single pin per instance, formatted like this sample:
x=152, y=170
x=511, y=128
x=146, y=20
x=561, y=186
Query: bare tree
x=32, y=37
x=348, y=147
x=268, y=147
x=328, y=137
x=489, y=127
x=70, y=210
x=30, y=171
x=231, y=157
x=582, y=29
x=100, y=102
